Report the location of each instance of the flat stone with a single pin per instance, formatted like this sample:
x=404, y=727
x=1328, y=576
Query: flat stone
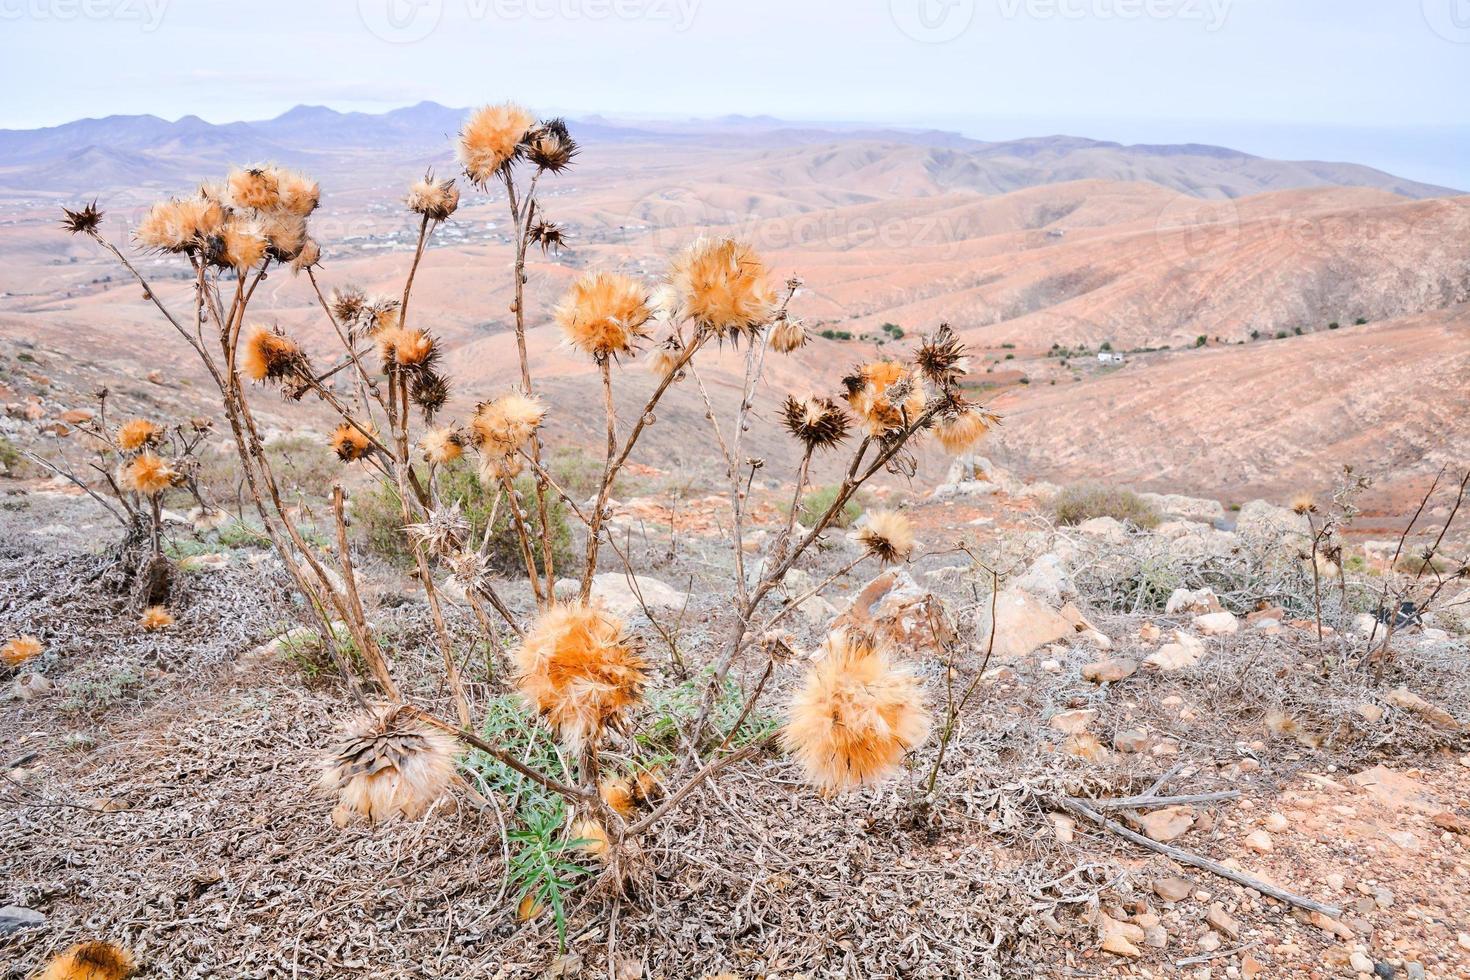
x=1166, y=823
x=1109, y=671
x=16, y=917
x=1217, y=624
x=1173, y=888
x=1071, y=722
x=1222, y=921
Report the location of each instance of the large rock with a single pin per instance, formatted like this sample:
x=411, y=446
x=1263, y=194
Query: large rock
x=1189, y=508
x=1197, y=601
x=16, y=917
x=1217, y=624
x=1048, y=579
x=617, y=595
x=1266, y=522
x=1185, y=651
x=1024, y=622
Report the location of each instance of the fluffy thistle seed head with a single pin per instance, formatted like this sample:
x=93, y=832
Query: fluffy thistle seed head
x=855, y=715
x=720, y=284
x=84, y=220
x=310, y=255
x=350, y=443
x=604, y=314
x=242, y=245
x=591, y=838
x=492, y=137
x=135, y=434
x=392, y=763
x=580, y=670
x=617, y=793
x=958, y=432
x=94, y=960
x=550, y=147
x=787, y=335
x=148, y=474
x=156, y=618
x=442, y=446
x=18, y=649
x=382, y=313
x=180, y=225
x=501, y=426
x=285, y=234
x=665, y=356
x=410, y=349
x=434, y=199
x=1304, y=503
x=886, y=395
x=254, y=188
x=299, y=194
x=888, y=536
x=270, y=355
x=816, y=422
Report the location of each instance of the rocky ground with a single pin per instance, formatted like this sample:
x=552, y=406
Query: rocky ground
x=158, y=786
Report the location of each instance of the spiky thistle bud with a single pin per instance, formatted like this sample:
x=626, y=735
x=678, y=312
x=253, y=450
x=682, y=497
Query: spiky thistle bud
x=550, y=147
x=817, y=423
x=941, y=357
x=551, y=236
x=429, y=391
x=83, y=220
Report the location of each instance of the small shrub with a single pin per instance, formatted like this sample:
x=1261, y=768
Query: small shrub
x=1360, y=321
x=378, y=516
x=1201, y=340
x=12, y=463
x=831, y=334
x=816, y=501
x=1084, y=501
x=1334, y=325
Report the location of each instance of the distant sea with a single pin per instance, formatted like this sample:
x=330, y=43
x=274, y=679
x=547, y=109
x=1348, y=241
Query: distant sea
x=1432, y=154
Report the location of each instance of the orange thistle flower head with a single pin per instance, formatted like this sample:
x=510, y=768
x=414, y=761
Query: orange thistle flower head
x=580, y=670
x=492, y=137
x=442, y=446
x=156, y=618
x=888, y=536
x=350, y=443
x=855, y=715
x=604, y=314
x=617, y=793
x=591, y=838
x=94, y=960
x=959, y=431
x=18, y=649
x=392, y=763
x=501, y=426
x=434, y=199
x=180, y=225
x=136, y=434
x=148, y=474
x=310, y=255
x=787, y=335
x=886, y=395
x=285, y=234
x=1304, y=503
x=299, y=194
x=720, y=284
x=270, y=355
x=254, y=188
x=242, y=245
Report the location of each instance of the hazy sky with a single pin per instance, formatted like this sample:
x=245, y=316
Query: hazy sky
x=1383, y=81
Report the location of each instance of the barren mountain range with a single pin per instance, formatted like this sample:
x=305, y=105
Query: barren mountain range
x=1033, y=249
